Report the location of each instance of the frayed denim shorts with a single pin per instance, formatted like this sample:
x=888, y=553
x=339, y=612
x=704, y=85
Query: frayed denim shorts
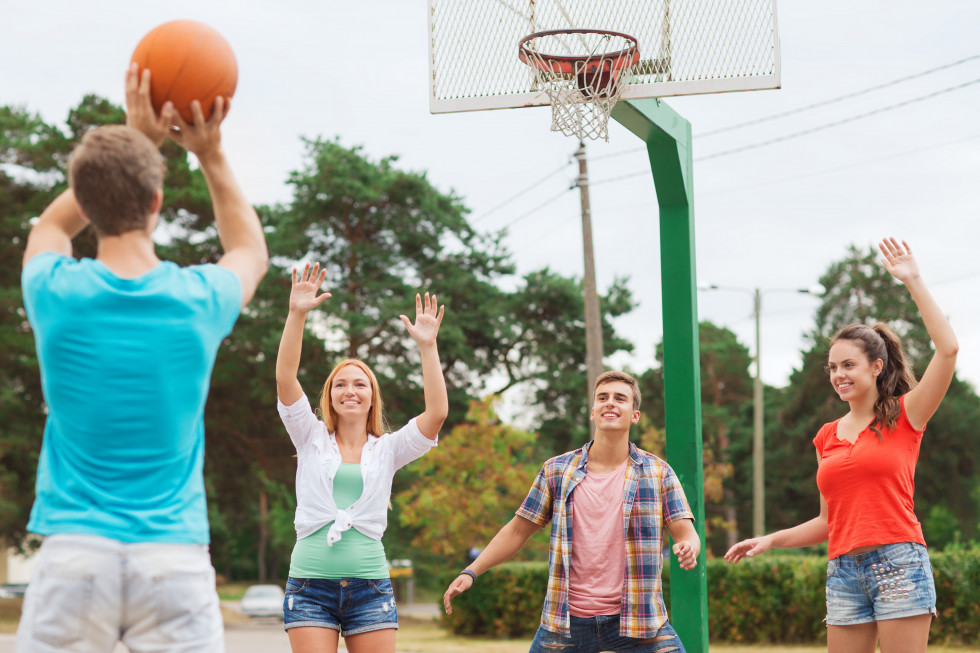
x=890, y=582
x=348, y=605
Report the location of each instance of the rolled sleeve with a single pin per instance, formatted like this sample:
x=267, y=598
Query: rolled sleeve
x=537, y=506
x=300, y=421
x=675, y=504
x=408, y=443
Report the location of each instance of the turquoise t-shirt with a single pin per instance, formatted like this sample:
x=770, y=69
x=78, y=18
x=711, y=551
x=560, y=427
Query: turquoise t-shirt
x=125, y=369
x=355, y=555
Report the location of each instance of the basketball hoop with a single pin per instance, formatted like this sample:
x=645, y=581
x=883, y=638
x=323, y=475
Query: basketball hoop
x=585, y=84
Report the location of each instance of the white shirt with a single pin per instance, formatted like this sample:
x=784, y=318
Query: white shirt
x=318, y=462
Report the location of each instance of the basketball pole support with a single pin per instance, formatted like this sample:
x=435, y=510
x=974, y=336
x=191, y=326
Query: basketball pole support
x=668, y=139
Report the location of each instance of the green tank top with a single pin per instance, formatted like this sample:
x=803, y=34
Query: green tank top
x=355, y=556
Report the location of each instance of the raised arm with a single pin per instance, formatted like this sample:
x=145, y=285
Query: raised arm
x=923, y=400
x=302, y=297
x=428, y=317
x=504, y=545
x=238, y=225
x=55, y=229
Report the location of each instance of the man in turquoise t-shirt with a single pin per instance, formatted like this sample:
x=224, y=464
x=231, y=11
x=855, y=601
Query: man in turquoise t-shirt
x=126, y=344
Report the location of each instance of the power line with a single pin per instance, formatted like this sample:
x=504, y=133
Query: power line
x=537, y=208
x=839, y=98
x=807, y=107
x=836, y=123
x=522, y=192
x=848, y=166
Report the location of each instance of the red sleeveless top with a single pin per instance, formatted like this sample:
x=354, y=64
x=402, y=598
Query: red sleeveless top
x=868, y=485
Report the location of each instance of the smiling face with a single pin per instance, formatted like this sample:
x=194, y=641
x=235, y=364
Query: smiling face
x=851, y=373
x=350, y=392
x=612, y=407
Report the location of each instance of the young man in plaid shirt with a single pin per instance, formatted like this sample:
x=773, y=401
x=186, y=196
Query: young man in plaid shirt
x=606, y=502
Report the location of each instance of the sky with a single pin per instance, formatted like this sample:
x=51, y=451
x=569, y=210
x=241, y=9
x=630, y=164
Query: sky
x=902, y=160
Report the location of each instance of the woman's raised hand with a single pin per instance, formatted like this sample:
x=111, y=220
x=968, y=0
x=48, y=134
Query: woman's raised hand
x=428, y=317
x=898, y=259
x=303, y=295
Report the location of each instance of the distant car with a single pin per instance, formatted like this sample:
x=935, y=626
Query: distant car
x=263, y=601
x=13, y=590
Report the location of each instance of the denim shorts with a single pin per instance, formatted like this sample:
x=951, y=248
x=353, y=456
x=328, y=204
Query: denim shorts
x=348, y=605
x=890, y=582
x=595, y=634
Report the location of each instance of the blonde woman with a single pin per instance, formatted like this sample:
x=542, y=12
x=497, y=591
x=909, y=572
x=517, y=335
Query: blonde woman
x=338, y=576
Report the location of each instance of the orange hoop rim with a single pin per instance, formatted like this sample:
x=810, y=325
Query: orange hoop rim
x=571, y=64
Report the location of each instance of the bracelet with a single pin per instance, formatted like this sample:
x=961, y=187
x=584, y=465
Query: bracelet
x=468, y=572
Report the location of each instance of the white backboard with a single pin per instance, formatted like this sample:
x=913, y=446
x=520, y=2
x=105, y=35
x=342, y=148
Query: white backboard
x=686, y=47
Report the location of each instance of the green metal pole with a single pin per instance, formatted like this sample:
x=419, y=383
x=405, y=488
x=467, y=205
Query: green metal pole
x=668, y=139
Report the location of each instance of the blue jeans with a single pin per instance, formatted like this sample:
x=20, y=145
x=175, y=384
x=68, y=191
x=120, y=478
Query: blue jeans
x=890, y=582
x=348, y=605
x=596, y=634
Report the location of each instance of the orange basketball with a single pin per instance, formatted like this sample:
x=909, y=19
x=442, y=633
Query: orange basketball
x=188, y=61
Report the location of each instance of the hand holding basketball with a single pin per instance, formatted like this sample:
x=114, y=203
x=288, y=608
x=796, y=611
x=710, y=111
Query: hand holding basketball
x=139, y=110
x=202, y=136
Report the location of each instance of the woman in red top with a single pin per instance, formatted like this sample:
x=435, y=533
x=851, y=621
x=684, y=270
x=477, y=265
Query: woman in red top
x=879, y=581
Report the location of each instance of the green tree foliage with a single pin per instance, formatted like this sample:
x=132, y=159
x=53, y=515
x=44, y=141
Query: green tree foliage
x=544, y=347
x=726, y=417
x=470, y=486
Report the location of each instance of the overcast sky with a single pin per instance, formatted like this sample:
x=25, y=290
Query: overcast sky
x=770, y=217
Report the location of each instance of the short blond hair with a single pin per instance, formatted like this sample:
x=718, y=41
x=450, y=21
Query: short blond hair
x=611, y=376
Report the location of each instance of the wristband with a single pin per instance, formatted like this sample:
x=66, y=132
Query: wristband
x=468, y=572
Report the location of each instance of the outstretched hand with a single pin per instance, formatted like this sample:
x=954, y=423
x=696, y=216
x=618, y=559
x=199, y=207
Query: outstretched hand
x=303, y=295
x=458, y=586
x=748, y=548
x=139, y=109
x=428, y=317
x=898, y=261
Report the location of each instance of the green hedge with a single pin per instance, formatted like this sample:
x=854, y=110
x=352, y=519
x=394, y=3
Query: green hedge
x=774, y=598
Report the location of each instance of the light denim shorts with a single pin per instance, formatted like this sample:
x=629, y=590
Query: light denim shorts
x=348, y=605
x=89, y=592
x=890, y=582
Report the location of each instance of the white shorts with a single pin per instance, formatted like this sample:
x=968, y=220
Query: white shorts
x=89, y=592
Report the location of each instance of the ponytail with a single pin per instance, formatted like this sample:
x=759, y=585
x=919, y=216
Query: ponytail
x=895, y=379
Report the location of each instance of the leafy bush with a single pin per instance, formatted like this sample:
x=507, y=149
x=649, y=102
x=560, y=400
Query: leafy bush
x=503, y=602
x=774, y=598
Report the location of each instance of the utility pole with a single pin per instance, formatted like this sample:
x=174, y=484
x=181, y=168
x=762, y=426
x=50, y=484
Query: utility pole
x=758, y=443
x=593, y=320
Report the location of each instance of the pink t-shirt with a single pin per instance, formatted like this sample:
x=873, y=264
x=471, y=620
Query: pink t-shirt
x=595, y=584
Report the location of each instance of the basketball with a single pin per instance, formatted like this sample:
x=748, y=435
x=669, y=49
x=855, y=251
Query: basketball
x=188, y=61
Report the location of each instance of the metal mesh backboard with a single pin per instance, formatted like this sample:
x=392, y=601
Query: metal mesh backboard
x=686, y=47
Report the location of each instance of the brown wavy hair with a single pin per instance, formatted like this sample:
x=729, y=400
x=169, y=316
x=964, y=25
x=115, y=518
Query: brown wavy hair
x=896, y=378
x=376, y=422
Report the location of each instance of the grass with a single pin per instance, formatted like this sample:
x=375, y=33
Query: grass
x=425, y=636
x=419, y=636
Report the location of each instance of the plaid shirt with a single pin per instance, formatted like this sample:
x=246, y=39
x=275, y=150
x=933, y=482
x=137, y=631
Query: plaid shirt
x=652, y=496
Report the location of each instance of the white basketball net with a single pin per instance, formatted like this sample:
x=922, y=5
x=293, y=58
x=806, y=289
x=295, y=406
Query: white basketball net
x=581, y=101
